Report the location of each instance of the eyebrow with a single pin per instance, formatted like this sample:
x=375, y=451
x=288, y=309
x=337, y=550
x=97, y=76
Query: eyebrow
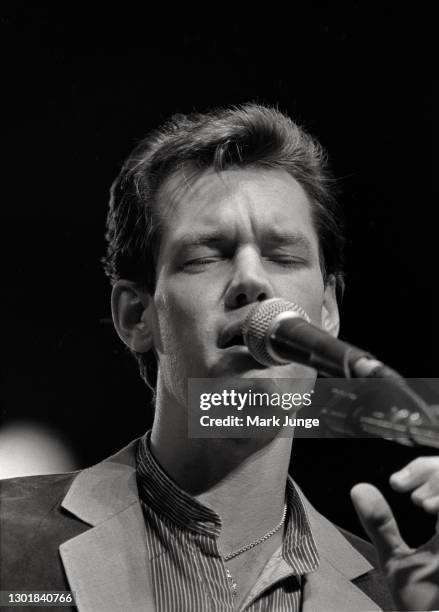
x=296, y=239
x=201, y=239
x=271, y=237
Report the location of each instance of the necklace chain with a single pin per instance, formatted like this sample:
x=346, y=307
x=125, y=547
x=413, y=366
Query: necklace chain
x=243, y=549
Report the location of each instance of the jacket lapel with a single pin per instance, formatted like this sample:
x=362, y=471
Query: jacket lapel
x=330, y=588
x=107, y=566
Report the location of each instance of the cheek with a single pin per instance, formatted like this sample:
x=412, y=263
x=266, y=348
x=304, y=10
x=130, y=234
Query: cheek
x=308, y=293
x=314, y=305
x=182, y=316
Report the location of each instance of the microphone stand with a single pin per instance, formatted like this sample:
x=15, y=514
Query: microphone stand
x=402, y=416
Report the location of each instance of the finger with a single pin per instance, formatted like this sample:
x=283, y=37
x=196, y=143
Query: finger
x=416, y=473
x=431, y=504
x=422, y=493
x=378, y=521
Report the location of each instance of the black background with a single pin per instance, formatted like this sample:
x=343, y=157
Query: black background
x=80, y=87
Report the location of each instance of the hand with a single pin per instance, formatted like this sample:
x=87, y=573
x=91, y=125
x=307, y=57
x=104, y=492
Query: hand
x=421, y=477
x=412, y=574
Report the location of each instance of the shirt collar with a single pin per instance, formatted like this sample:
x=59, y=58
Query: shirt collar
x=160, y=493
x=299, y=548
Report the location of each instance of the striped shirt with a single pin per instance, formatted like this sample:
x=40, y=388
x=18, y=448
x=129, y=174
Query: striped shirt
x=188, y=571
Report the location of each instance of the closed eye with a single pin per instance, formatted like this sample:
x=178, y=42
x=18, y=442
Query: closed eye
x=200, y=262
x=288, y=262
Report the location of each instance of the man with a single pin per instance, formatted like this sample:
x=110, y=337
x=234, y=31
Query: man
x=210, y=215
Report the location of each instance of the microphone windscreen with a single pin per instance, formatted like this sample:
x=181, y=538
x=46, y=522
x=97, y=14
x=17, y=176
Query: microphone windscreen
x=259, y=321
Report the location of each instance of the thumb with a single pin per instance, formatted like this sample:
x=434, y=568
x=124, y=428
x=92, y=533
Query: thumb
x=378, y=521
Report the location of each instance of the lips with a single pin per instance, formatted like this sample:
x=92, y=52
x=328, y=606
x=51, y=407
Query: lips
x=231, y=335
x=236, y=340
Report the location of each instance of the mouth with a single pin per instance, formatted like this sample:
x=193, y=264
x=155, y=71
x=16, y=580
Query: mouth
x=236, y=353
x=231, y=336
x=236, y=340
x=236, y=357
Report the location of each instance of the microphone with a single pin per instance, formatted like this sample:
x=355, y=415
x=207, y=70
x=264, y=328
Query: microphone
x=277, y=332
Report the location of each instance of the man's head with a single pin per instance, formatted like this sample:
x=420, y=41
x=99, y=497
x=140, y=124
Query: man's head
x=212, y=185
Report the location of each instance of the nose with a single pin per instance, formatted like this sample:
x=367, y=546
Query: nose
x=249, y=282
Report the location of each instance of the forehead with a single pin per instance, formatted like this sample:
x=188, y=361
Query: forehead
x=247, y=201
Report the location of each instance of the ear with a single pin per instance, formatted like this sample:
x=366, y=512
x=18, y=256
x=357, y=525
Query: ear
x=131, y=309
x=330, y=314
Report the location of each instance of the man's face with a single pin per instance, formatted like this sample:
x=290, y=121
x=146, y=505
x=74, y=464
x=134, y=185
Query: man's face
x=230, y=239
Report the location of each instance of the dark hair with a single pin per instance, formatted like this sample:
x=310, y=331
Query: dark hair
x=249, y=135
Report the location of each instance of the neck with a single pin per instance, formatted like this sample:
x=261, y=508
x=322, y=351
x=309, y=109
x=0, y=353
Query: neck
x=243, y=480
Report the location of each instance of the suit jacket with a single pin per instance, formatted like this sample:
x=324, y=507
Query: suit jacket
x=85, y=532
